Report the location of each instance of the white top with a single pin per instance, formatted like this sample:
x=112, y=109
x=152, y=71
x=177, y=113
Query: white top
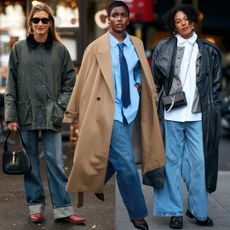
x=189, y=85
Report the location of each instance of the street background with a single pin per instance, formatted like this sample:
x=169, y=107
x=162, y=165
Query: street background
x=77, y=26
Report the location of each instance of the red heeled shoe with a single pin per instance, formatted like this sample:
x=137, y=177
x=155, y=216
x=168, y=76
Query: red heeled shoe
x=36, y=217
x=75, y=219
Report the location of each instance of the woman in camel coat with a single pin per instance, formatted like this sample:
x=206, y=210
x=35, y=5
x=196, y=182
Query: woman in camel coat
x=92, y=106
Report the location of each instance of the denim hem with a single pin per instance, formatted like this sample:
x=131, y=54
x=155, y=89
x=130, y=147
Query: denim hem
x=138, y=218
x=198, y=218
x=168, y=213
x=62, y=212
x=36, y=208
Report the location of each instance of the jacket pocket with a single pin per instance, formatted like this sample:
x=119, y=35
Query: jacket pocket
x=24, y=112
x=57, y=117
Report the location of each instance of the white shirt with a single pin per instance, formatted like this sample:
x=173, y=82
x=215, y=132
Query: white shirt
x=189, y=83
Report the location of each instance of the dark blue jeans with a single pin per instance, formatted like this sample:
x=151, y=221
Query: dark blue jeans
x=122, y=161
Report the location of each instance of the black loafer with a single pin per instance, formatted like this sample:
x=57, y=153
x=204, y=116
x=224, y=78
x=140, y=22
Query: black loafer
x=140, y=224
x=100, y=196
x=176, y=222
x=208, y=222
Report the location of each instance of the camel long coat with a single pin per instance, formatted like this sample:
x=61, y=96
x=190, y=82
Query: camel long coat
x=92, y=106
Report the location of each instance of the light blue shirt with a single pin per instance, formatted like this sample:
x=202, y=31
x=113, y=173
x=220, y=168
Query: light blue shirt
x=134, y=77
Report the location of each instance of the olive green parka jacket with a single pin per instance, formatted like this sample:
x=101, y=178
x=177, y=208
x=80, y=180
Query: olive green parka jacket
x=40, y=81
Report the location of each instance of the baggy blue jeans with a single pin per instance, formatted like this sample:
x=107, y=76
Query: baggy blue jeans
x=122, y=161
x=57, y=180
x=184, y=159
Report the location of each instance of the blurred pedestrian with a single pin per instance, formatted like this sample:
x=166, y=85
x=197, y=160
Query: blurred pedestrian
x=187, y=74
x=39, y=84
x=114, y=90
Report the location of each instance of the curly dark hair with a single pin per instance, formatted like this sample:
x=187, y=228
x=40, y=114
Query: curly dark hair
x=117, y=4
x=189, y=10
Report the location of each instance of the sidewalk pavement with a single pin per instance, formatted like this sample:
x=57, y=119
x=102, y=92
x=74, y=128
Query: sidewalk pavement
x=219, y=209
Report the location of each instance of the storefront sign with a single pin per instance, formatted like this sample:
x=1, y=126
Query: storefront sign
x=101, y=19
x=141, y=10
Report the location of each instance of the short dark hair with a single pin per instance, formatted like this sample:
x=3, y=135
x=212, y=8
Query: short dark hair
x=117, y=4
x=189, y=10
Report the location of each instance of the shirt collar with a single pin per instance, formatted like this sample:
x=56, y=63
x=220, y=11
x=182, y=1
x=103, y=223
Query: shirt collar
x=114, y=42
x=181, y=40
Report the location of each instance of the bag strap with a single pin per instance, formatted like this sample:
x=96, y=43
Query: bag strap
x=172, y=103
x=18, y=132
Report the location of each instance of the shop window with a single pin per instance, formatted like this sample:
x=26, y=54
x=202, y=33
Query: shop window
x=12, y=19
x=66, y=12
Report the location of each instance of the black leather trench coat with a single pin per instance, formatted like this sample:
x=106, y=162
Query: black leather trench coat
x=209, y=87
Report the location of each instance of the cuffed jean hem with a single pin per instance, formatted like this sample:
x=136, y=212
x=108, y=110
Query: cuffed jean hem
x=168, y=213
x=63, y=212
x=36, y=208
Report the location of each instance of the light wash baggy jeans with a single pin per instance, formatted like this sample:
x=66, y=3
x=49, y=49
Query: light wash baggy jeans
x=184, y=159
x=57, y=180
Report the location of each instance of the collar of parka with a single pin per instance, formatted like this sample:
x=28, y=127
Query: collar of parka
x=32, y=43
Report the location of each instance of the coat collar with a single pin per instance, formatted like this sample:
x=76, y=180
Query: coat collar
x=32, y=43
x=104, y=61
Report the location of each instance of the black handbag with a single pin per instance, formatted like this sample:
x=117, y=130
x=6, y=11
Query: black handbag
x=178, y=99
x=15, y=162
x=175, y=100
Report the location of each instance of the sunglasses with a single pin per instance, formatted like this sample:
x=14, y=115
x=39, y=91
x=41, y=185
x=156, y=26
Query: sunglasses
x=43, y=20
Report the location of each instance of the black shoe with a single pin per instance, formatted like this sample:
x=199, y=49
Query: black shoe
x=176, y=222
x=100, y=196
x=140, y=224
x=208, y=222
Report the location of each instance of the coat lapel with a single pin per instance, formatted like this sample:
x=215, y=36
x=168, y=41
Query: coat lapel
x=145, y=66
x=138, y=50
x=104, y=61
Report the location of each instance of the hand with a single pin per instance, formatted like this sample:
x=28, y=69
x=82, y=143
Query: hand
x=13, y=125
x=138, y=86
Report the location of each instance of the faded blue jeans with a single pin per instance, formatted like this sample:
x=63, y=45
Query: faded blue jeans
x=184, y=159
x=122, y=161
x=57, y=180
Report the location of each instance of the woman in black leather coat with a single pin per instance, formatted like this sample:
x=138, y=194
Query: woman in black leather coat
x=187, y=63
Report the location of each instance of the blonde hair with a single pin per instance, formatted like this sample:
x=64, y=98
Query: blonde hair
x=49, y=11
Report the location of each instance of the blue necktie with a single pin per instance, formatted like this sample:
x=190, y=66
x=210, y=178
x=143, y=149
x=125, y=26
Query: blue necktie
x=125, y=93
